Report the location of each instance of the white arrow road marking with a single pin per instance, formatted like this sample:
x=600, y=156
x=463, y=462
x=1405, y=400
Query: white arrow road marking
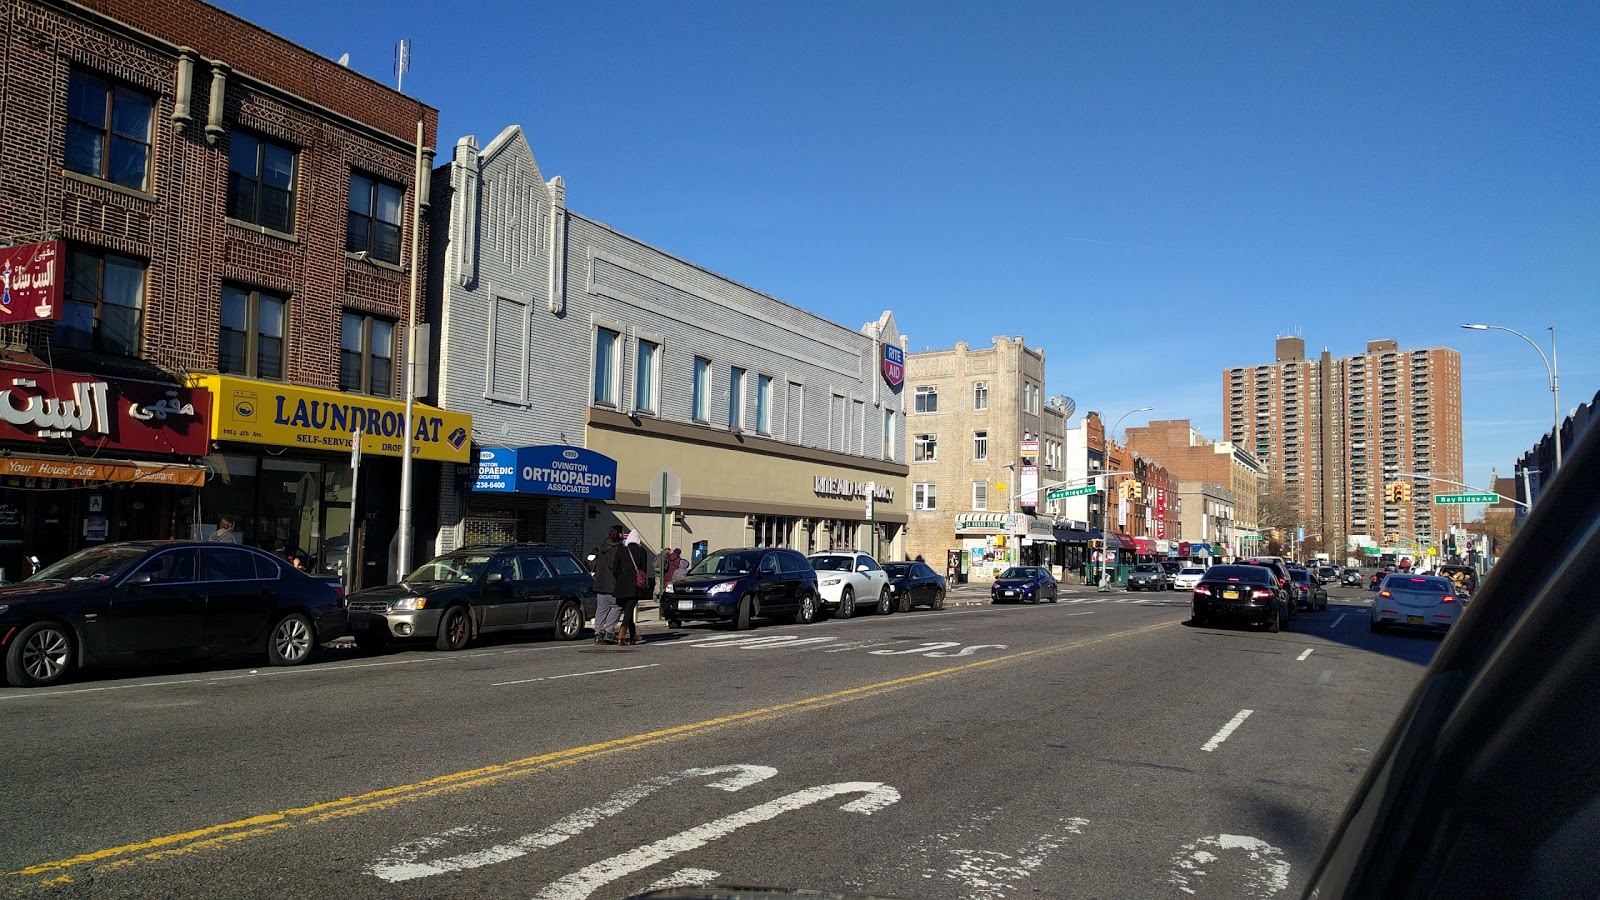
x=989, y=873
x=1266, y=872
x=1220, y=736
x=580, y=884
x=404, y=862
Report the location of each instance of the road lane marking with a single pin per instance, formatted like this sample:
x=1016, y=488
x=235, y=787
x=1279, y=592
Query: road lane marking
x=1087, y=612
x=1302, y=657
x=1220, y=736
x=214, y=837
x=1338, y=620
x=573, y=675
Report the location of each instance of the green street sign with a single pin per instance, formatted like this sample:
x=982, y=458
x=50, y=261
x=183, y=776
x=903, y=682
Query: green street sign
x=1064, y=493
x=1448, y=499
x=1370, y=551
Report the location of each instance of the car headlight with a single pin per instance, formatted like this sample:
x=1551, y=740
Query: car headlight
x=893, y=588
x=410, y=604
x=668, y=589
x=829, y=582
x=723, y=588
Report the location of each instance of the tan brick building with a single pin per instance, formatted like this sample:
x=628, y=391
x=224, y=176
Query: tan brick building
x=1192, y=458
x=1335, y=431
x=968, y=415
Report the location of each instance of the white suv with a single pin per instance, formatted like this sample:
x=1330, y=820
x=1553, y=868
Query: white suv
x=846, y=578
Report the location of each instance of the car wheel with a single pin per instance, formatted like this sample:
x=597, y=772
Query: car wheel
x=847, y=603
x=569, y=621
x=455, y=629
x=674, y=623
x=1054, y=593
x=1275, y=624
x=41, y=654
x=938, y=600
x=371, y=642
x=885, y=606
x=290, y=641
x=741, y=617
x=806, y=613
x=905, y=603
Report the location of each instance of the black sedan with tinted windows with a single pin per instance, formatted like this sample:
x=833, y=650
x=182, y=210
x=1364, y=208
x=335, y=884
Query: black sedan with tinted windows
x=915, y=584
x=1024, y=584
x=1239, y=593
x=139, y=601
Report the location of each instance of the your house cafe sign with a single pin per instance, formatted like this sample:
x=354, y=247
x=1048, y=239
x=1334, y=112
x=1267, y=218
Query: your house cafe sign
x=92, y=412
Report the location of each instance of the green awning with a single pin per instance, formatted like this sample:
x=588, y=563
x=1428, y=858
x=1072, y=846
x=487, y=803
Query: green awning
x=981, y=522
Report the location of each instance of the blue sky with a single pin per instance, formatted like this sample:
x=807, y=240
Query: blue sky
x=1150, y=192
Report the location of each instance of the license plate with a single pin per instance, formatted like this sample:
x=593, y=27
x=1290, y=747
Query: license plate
x=686, y=604
x=1230, y=595
x=1011, y=593
x=1414, y=620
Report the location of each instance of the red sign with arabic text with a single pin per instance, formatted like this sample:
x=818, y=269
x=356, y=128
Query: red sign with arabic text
x=31, y=280
x=93, y=413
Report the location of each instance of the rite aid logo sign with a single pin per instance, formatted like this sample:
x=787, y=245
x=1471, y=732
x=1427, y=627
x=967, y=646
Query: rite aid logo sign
x=894, y=365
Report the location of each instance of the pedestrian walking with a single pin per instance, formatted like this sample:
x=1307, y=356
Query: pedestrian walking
x=633, y=583
x=604, y=568
x=676, y=565
x=225, y=533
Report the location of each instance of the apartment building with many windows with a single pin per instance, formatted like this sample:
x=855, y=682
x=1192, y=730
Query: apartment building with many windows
x=230, y=215
x=1334, y=431
x=592, y=361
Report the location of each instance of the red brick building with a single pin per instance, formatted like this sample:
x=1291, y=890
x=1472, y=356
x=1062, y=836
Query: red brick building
x=234, y=217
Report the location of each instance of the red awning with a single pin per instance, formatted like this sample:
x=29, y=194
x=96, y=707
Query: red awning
x=1145, y=545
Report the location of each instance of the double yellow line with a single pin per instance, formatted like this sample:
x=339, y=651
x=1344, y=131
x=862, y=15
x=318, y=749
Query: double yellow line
x=212, y=837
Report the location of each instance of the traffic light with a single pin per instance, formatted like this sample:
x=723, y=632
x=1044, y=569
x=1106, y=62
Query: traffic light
x=1405, y=492
x=1136, y=490
x=1125, y=489
x=1397, y=492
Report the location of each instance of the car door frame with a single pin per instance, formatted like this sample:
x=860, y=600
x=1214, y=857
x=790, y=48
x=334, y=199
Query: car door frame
x=541, y=595
x=238, y=610
x=496, y=604
x=163, y=617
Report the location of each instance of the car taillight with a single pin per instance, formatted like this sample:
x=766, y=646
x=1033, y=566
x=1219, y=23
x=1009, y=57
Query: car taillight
x=1448, y=598
x=1283, y=582
x=1260, y=594
x=1202, y=589
x=1385, y=594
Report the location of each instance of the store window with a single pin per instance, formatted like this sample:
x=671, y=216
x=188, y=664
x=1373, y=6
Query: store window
x=104, y=303
x=372, y=225
x=261, y=182
x=251, y=342
x=108, y=130
x=841, y=534
x=773, y=531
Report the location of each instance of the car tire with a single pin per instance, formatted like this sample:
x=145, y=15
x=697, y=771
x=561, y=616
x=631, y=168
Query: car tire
x=674, y=623
x=847, y=603
x=1275, y=624
x=372, y=642
x=741, y=615
x=938, y=600
x=291, y=640
x=905, y=603
x=41, y=654
x=885, y=605
x=806, y=612
x=1200, y=620
x=455, y=629
x=569, y=621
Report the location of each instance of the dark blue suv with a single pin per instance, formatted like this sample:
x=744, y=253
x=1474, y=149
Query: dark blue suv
x=737, y=586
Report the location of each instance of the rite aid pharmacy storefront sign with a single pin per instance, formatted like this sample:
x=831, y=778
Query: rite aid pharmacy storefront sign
x=550, y=470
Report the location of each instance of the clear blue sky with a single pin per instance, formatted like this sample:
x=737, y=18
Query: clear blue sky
x=1150, y=192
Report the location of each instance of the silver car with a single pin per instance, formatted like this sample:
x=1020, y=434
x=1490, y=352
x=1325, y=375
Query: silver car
x=1416, y=601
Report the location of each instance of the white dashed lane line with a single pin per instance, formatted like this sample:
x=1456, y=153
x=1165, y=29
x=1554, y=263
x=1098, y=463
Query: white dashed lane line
x=1222, y=735
x=1302, y=657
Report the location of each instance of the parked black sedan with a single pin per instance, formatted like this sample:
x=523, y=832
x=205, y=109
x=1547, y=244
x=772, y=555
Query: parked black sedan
x=915, y=584
x=1241, y=593
x=135, y=601
x=1024, y=584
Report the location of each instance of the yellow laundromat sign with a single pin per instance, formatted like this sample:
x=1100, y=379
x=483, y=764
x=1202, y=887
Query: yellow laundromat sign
x=265, y=412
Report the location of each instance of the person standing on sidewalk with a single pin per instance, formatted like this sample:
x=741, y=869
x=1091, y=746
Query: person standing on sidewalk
x=604, y=568
x=633, y=583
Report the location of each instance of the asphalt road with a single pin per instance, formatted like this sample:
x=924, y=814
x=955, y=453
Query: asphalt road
x=1097, y=747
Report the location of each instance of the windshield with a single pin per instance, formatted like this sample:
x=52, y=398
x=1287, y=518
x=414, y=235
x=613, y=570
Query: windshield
x=832, y=563
x=1146, y=567
x=1421, y=585
x=1299, y=574
x=91, y=564
x=736, y=562
x=1193, y=571
x=1017, y=572
x=457, y=567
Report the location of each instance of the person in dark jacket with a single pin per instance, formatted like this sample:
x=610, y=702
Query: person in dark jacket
x=632, y=561
x=604, y=568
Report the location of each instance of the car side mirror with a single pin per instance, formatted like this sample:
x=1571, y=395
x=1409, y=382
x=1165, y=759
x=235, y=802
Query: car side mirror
x=494, y=578
x=863, y=568
x=139, y=578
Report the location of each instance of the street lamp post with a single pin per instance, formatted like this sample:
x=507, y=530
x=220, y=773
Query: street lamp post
x=1549, y=368
x=1105, y=503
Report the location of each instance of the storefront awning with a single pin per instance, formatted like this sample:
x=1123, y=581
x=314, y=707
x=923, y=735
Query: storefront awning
x=129, y=471
x=286, y=415
x=981, y=522
x=1073, y=536
x=1125, y=541
x=1145, y=545
x=1036, y=529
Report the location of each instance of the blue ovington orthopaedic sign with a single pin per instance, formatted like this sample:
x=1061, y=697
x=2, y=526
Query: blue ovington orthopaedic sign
x=552, y=470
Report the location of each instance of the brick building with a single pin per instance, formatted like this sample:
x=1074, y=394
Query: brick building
x=232, y=212
x=972, y=415
x=1194, y=459
x=1334, y=432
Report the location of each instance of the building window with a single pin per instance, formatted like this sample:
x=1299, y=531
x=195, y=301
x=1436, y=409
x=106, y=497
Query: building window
x=104, y=300
x=888, y=434
x=794, y=412
x=927, y=399
x=980, y=395
x=700, y=391
x=646, y=372
x=251, y=343
x=927, y=448
x=735, y=399
x=366, y=355
x=763, y=404
x=605, y=366
x=108, y=131
x=980, y=496
x=261, y=182
x=373, y=223
x=922, y=496
x=980, y=445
